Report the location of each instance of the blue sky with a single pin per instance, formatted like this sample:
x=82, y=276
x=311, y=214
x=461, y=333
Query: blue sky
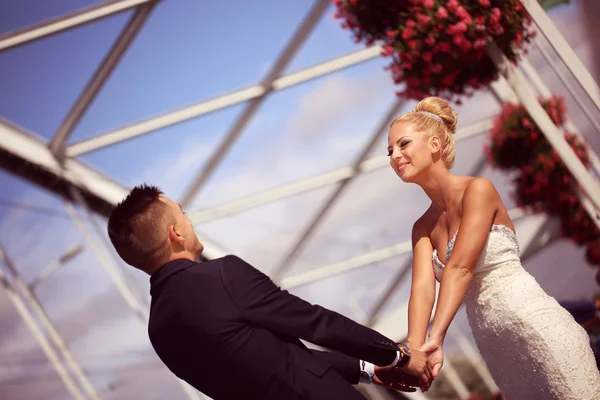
x=189, y=51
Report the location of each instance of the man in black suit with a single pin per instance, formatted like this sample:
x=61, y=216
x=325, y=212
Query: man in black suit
x=226, y=329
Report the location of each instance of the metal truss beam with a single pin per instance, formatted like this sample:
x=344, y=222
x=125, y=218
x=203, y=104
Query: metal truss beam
x=316, y=182
x=297, y=247
x=38, y=334
x=67, y=21
x=99, y=191
x=51, y=330
x=103, y=72
x=564, y=51
x=227, y=100
x=299, y=37
x=519, y=85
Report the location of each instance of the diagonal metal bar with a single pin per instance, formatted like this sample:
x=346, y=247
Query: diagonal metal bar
x=95, y=84
x=315, y=182
x=299, y=37
x=50, y=328
x=227, y=100
x=319, y=216
x=587, y=181
x=405, y=269
x=67, y=21
x=38, y=334
x=567, y=85
x=22, y=151
x=564, y=51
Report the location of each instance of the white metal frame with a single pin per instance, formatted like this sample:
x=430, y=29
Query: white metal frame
x=60, y=158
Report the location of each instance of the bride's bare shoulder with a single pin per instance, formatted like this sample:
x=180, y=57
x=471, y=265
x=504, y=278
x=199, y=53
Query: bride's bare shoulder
x=424, y=225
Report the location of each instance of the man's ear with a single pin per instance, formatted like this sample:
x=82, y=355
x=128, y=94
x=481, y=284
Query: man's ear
x=174, y=235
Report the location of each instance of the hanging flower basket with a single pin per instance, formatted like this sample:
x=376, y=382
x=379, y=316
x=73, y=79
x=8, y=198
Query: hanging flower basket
x=437, y=46
x=543, y=182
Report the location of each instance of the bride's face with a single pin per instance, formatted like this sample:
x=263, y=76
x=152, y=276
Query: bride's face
x=410, y=151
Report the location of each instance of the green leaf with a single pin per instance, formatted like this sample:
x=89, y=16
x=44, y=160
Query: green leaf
x=547, y=4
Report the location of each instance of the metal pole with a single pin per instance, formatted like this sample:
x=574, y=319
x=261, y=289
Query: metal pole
x=562, y=48
x=48, y=325
x=317, y=181
x=227, y=100
x=67, y=21
x=55, y=265
x=93, y=87
x=589, y=184
x=50, y=353
x=567, y=84
x=319, y=216
x=299, y=37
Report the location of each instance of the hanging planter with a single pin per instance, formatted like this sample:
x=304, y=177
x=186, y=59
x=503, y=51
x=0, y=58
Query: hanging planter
x=543, y=182
x=437, y=46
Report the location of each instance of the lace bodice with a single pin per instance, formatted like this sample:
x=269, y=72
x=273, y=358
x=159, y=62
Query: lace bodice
x=533, y=347
x=501, y=246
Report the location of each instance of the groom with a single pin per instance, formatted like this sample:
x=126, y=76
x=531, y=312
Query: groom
x=230, y=332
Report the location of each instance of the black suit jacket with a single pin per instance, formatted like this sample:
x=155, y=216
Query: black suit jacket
x=229, y=331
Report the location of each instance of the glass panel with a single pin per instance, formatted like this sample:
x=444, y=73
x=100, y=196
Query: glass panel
x=170, y=157
x=41, y=80
x=327, y=41
x=263, y=235
x=190, y=51
x=354, y=293
x=22, y=361
x=17, y=14
x=302, y=131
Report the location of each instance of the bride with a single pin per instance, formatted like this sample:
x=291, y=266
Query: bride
x=533, y=347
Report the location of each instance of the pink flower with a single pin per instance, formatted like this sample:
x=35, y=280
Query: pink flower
x=411, y=23
x=479, y=44
x=428, y=4
x=452, y=5
x=457, y=28
x=387, y=50
x=423, y=19
x=430, y=41
x=427, y=56
x=407, y=33
x=441, y=13
x=484, y=3
x=495, y=15
x=436, y=68
x=391, y=34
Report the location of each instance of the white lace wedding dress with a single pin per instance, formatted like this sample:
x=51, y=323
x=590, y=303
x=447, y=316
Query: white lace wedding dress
x=532, y=346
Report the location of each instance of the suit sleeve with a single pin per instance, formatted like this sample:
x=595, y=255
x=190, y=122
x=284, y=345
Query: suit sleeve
x=264, y=304
x=348, y=367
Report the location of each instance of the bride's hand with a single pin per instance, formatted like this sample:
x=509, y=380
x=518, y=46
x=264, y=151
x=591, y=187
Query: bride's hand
x=436, y=355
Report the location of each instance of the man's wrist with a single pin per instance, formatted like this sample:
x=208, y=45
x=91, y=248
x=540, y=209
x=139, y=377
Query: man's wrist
x=396, y=359
x=367, y=371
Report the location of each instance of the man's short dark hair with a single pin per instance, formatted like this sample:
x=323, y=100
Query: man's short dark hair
x=137, y=228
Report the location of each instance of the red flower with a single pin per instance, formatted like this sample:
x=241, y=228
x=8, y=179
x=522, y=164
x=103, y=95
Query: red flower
x=441, y=13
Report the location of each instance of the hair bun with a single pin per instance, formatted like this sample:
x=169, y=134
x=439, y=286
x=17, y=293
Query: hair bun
x=441, y=108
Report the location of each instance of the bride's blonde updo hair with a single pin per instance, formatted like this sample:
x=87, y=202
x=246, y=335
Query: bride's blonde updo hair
x=435, y=117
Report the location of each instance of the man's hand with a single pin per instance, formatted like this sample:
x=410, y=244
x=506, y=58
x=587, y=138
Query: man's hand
x=394, y=378
x=419, y=366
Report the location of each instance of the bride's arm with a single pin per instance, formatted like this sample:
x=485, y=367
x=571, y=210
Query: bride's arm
x=422, y=290
x=479, y=208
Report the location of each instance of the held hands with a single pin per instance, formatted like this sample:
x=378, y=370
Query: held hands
x=394, y=378
x=433, y=349
x=419, y=366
